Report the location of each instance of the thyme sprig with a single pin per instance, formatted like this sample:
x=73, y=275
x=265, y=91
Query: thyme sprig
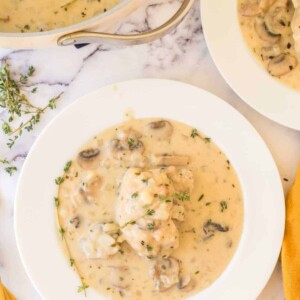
x=9, y=168
x=14, y=101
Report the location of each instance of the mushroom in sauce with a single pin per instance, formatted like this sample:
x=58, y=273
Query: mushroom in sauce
x=160, y=130
x=265, y=33
x=89, y=158
x=282, y=64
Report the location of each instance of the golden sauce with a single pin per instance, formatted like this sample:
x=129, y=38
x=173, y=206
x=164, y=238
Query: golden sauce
x=279, y=24
x=44, y=15
x=209, y=233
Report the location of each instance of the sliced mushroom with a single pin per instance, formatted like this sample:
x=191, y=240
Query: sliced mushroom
x=89, y=158
x=264, y=32
x=170, y=160
x=270, y=52
x=250, y=9
x=127, y=145
x=165, y=273
x=278, y=17
x=211, y=227
x=160, y=130
x=282, y=64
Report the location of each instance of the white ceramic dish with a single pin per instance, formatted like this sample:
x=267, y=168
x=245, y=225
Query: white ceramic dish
x=35, y=224
x=241, y=70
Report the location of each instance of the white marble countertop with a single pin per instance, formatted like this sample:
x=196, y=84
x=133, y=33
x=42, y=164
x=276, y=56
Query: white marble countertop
x=181, y=55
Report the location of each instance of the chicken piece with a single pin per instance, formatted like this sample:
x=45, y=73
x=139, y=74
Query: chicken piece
x=146, y=206
x=100, y=242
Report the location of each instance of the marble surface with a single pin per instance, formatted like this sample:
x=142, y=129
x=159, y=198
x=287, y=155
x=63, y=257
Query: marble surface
x=181, y=55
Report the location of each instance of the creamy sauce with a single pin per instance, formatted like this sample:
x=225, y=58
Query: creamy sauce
x=266, y=27
x=44, y=15
x=140, y=224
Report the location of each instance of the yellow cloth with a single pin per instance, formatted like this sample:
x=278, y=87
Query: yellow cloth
x=290, y=254
x=5, y=294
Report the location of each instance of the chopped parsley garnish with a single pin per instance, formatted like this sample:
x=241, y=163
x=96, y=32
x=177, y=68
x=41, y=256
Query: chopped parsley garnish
x=121, y=251
x=223, y=205
x=67, y=166
x=194, y=133
x=206, y=140
x=207, y=203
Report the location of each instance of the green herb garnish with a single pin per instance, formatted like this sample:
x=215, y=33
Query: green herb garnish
x=67, y=166
x=56, y=202
x=83, y=288
x=206, y=140
x=72, y=262
x=59, y=180
x=9, y=168
x=194, y=133
x=182, y=196
x=151, y=226
x=62, y=232
x=134, y=195
x=223, y=205
x=149, y=248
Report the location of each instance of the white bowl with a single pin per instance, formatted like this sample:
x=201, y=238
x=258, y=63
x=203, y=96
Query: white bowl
x=242, y=71
x=35, y=224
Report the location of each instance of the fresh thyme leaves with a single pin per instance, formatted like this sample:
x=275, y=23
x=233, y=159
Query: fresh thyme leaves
x=131, y=143
x=145, y=180
x=67, y=166
x=150, y=212
x=223, y=205
x=151, y=226
x=182, y=196
x=149, y=248
x=132, y=222
x=56, y=202
x=9, y=168
x=62, y=232
x=83, y=288
x=135, y=195
x=59, y=180
x=194, y=133
x=206, y=140
x=72, y=262
x=164, y=198
x=14, y=100
x=121, y=251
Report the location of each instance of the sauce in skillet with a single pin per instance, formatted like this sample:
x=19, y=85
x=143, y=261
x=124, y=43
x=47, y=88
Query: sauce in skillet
x=44, y=15
x=150, y=209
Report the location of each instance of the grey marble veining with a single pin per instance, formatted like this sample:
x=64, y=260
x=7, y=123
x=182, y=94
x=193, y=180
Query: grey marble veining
x=181, y=55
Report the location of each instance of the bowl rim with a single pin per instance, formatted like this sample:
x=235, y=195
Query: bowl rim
x=262, y=170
